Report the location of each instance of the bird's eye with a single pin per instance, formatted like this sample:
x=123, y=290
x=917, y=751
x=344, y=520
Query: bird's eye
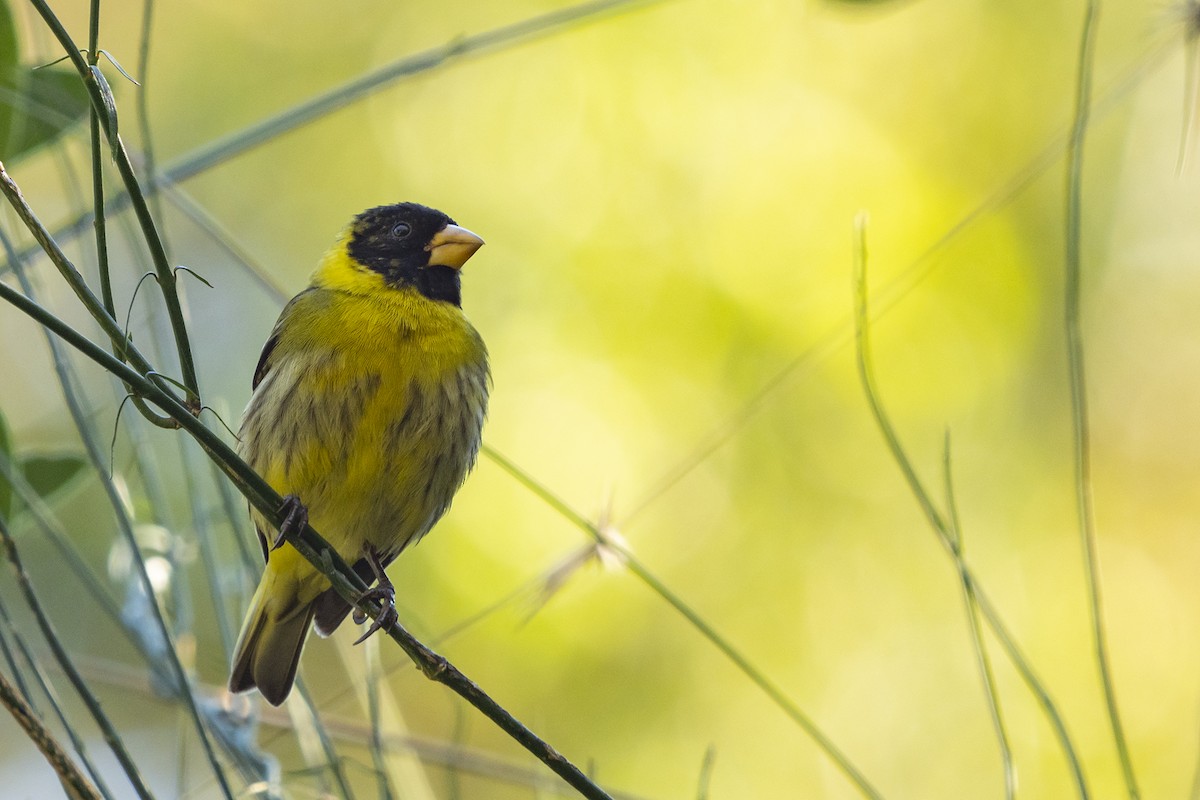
x=401, y=230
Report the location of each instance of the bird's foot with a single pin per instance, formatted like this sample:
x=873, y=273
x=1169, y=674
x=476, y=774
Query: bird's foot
x=384, y=592
x=295, y=517
x=386, y=595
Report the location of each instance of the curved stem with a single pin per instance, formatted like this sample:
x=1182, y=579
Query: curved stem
x=158, y=254
x=70, y=274
x=937, y=521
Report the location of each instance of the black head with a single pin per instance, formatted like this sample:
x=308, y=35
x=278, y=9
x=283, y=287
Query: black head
x=413, y=245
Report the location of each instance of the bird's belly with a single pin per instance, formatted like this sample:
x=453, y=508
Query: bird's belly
x=376, y=459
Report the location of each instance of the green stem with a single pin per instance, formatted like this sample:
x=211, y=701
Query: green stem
x=73, y=782
x=111, y=737
x=149, y=163
x=52, y=698
x=74, y=279
x=983, y=661
x=756, y=676
x=1079, y=412
x=339, y=97
x=333, y=762
x=936, y=521
x=382, y=779
x=95, y=455
x=206, y=537
x=162, y=268
x=98, y=221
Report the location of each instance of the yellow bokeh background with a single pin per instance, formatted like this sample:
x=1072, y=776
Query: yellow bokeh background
x=668, y=193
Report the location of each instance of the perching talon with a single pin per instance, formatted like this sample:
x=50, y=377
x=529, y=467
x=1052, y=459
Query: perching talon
x=295, y=517
x=384, y=592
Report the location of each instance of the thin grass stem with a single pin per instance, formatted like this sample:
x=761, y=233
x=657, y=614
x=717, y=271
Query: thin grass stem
x=895, y=289
x=74, y=783
x=747, y=667
x=166, y=275
x=98, y=219
x=350, y=92
x=493, y=41
x=706, y=770
x=383, y=780
x=1079, y=411
x=44, y=518
x=111, y=737
x=333, y=762
x=206, y=537
x=982, y=659
x=14, y=669
x=1190, y=11
x=234, y=516
x=149, y=162
x=74, y=279
x=937, y=521
x=48, y=691
x=95, y=455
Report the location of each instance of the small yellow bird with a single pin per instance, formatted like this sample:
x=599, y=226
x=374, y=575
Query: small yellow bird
x=368, y=402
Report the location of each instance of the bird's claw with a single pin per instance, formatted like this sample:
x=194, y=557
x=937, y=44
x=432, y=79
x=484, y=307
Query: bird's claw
x=386, y=595
x=295, y=517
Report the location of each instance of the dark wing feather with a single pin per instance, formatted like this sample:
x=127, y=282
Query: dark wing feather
x=264, y=359
x=260, y=371
x=262, y=542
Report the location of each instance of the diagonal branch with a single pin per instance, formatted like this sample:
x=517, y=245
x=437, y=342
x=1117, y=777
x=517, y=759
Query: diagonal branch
x=309, y=543
x=64, y=660
x=339, y=97
x=75, y=783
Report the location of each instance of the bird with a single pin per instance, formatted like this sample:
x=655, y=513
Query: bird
x=366, y=415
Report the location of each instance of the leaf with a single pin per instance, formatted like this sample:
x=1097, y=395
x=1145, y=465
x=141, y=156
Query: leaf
x=38, y=108
x=35, y=106
x=8, y=42
x=6, y=454
x=110, y=106
x=194, y=274
x=117, y=64
x=52, y=473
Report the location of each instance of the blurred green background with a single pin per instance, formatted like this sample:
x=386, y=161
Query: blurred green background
x=667, y=191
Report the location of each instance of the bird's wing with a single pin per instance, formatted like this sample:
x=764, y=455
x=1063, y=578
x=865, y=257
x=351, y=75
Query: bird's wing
x=264, y=359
